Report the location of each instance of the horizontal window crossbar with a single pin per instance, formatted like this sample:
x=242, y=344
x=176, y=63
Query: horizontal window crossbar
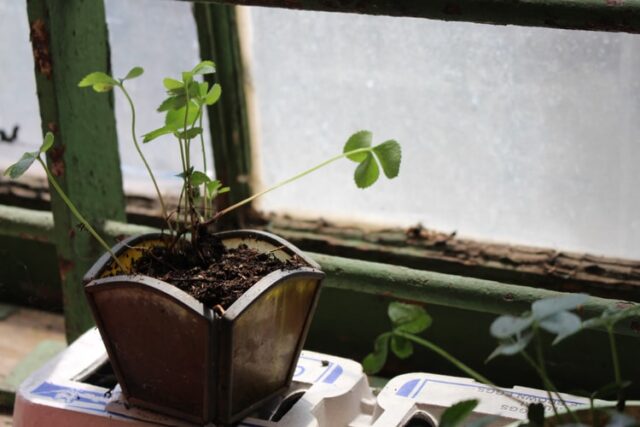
x=596, y=15
x=362, y=276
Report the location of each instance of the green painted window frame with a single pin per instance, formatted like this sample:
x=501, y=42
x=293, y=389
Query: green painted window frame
x=76, y=25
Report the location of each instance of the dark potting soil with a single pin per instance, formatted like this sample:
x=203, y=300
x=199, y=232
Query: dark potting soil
x=214, y=275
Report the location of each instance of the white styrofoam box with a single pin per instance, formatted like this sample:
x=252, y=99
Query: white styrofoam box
x=335, y=391
x=431, y=394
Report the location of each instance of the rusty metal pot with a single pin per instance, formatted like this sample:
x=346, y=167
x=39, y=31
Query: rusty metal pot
x=173, y=355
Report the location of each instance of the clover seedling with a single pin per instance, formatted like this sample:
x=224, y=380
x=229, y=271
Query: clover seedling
x=21, y=166
x=102, y=82
x=183, y=108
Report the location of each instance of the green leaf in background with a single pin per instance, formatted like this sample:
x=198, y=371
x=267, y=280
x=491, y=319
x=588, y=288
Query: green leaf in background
x=401, y=347
x=215, y=187
x=408, y=317
x=563, y=324
x=389, y=155
x=172, y=84
x=367, y=172
x=205, y=67
x=172, y=103
x=358, y=140
x=213, y=95
x=47, y=143
x=175, y=119
x=187, y=77
x=203, y=88
x=375, y=361
x=506, y=326
x=610, y=317
x=150, y=136
x=455, y=415
x=99, y=81
x=133, y=73
x=189, y=134
x=549, y=306
x=512, y=347
x=17, y=169
x=184, y=174
x=199, y=178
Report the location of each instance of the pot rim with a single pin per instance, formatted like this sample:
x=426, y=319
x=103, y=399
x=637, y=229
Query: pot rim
x=105, y=259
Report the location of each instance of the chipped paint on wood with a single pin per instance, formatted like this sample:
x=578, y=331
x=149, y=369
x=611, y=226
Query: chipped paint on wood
x=40, y=44
x=77, y=44
x=418, y=247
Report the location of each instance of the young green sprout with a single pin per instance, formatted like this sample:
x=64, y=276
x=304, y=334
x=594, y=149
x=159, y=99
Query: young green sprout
x=184, y=108
x=18, y=169
x=102, y=82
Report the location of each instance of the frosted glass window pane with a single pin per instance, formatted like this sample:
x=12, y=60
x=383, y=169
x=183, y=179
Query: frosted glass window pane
x=18, y=101
x=135, y=40
x=520, y=135
x=161, y=37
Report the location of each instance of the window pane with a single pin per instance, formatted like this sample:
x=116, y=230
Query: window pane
x=521, y=135
x=161, y=37
x=17, y=81
x=134, y=41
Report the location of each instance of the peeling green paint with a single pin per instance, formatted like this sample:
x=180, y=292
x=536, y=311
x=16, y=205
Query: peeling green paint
x=69, y=40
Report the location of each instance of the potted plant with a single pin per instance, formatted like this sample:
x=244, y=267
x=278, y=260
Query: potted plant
x=515, y=333
x=199, y=325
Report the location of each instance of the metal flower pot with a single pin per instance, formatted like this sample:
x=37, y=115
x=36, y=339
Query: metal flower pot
x=173, y=355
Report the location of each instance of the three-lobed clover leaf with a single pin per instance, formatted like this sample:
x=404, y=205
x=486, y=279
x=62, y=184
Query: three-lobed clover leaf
x=18, y=169
x=375, y=361
x=551, y=314
x=405, y=318
x=387, y=154
x=102, y=82
x=99, y=81
x=214, y=188
x=408, y=317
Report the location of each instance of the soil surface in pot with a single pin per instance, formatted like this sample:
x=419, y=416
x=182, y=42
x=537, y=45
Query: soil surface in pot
x=213, y=274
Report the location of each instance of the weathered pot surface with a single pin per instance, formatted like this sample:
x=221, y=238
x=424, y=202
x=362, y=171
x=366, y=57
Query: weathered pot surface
x=173, y=355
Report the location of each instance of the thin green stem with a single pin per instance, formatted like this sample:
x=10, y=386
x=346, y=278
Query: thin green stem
x=204, y=165
x=78, y=215
x=614, y=356
x=187, y=155
x=457, y=363
x=285, y=182
x=184, y=183
x=144, y=160
x=549, y=386
x=616, y=368
x=543, y=374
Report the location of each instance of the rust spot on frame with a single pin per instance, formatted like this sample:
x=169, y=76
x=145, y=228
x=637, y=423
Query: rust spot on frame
x=65, y=266
x=40, y=45
x=57, y=160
